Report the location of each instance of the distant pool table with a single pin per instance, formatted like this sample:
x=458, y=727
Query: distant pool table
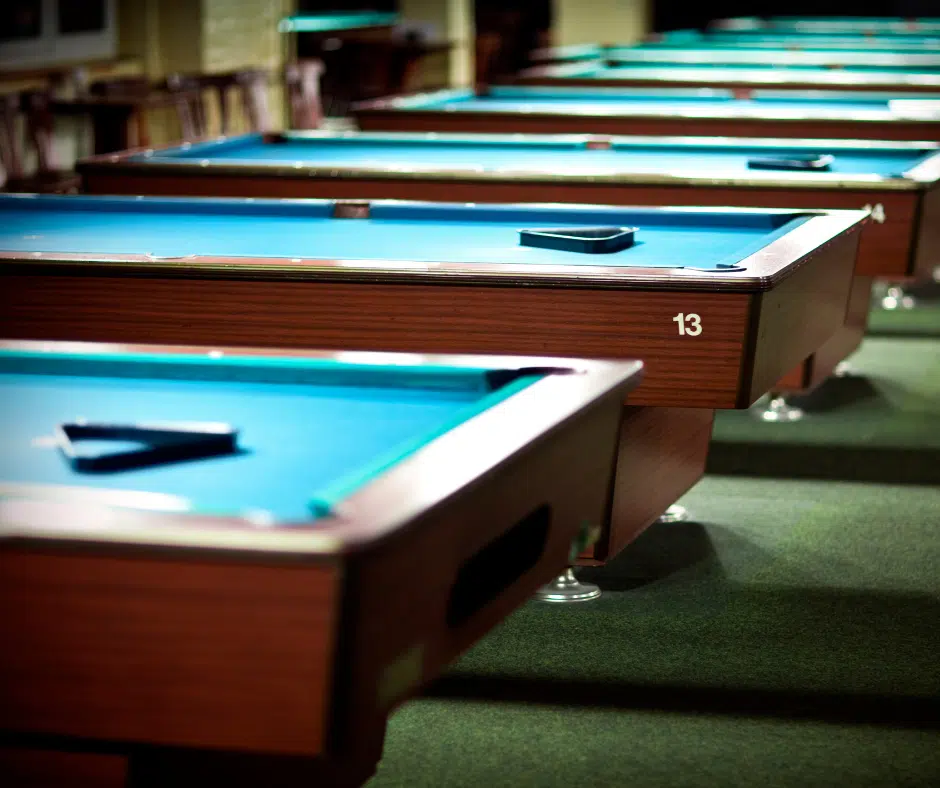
x=899, y=180
x=764, y=39
x=336, y=24
x=265, y=607
x=674, y=112
x=699, y=55
x=720, y=304
x=721, y=41
x=877, y=43
x=597, y=72
x=828, y=25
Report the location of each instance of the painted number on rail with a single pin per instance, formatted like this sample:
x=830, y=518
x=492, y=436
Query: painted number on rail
x=690, y=324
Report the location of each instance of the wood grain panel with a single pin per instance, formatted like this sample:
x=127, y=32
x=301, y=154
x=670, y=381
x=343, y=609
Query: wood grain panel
x=661, y=454
x=390, y=120
x=802, y=314
x=162, y=652
x=797, y=379
x=701, y=371
x=50, y=769
x=927, y=254
x=400, y=607
x=847, y=339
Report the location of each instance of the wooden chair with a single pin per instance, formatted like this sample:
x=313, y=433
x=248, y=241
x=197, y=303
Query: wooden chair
x=34, y=106
x=192, y=90
x=252, y=86
x=190, y=106
x=132, y=88
x=302, y=80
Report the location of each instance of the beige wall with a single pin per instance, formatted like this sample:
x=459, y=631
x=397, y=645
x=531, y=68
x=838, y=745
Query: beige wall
x=205, y=36
x=157, y=37
x=599, y=21
x=451, y=20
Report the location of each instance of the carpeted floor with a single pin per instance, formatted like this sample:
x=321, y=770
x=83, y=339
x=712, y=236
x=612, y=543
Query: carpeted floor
x=879, y=424
x=788, y=635
x=924, y=321
x=438, y=744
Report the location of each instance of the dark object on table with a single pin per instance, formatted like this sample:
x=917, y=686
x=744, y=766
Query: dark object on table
x=795, y=162
x=583, y=240
x=161, y=443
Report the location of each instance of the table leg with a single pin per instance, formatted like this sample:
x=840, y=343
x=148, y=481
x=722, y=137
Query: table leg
x=567, y=588
x=111, y=128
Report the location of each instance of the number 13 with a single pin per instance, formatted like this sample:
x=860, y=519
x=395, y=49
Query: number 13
x=690, y=324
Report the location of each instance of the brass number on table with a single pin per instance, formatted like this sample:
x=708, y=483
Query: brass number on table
x=690, y=324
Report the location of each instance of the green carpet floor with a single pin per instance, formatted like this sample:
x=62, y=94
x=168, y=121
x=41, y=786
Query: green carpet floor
x=924, y=321
x=439, y=744
x=788, y=637
x=921, y=322
x=880, y=424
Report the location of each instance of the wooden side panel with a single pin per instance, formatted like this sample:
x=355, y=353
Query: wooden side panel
x=804, y=312
x=653, y=126
x=167, y=653
x=49, y=769
x=847, y=339
x=797, y=379
x=693, y=371
x=887, y=248
x=662, y=453
x=927, y=246
x=404, y=635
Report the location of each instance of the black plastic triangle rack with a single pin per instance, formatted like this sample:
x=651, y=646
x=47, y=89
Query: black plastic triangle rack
x=581, y=240
x=161, y=443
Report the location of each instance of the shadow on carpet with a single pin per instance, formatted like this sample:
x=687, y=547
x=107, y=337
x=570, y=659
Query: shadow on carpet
x=879, y=424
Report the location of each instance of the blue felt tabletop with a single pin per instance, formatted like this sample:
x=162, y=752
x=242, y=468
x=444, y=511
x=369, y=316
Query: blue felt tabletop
x=535, y=155
x=573, y=100
x=415, y=232
x=299, y=441
x=616, y=69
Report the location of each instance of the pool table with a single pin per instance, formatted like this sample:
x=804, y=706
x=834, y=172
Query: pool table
x=797, y=39
x=569, y=53
x=673, y=112
x=658, y=55
x=898, y=181
x=720, y=304
x=884, y=42
x=337, y=24
x=599, y=72
x=265, y=604
x=829, y=25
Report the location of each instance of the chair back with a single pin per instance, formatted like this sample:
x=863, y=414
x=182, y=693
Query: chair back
x=40, y=128
x=192, y=91
x=303, y=93
x=11, y=147
x=189, y=104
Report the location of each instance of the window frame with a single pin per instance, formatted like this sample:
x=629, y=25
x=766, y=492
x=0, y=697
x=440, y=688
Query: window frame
x=52, y=48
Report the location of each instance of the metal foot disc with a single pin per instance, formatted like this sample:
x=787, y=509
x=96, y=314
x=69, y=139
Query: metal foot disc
x=674, y=514
x=896, y=298
x=779, y=411
x=567, y=588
